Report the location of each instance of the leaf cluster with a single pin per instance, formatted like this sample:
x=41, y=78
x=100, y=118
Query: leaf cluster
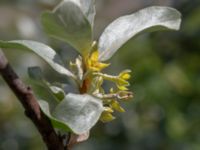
x=72, y=21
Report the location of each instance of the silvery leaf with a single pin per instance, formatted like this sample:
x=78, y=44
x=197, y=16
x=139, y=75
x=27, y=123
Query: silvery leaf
x=122, y=29
x=42, y=50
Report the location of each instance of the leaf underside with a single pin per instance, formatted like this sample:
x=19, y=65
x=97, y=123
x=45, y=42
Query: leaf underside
x=68, y=23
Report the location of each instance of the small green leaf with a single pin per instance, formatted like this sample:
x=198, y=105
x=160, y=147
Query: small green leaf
x=69, y=24
x=122, y=29
x=58, y=92
x=55, y=122
x=79, y=112
x=42, y=50
x=35, y=73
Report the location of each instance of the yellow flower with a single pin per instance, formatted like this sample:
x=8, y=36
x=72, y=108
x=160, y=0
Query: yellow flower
x=122, y=80
x=116, y=106
x=93, y=63
x=107, y=116
x=125, y=75
x=122, y=87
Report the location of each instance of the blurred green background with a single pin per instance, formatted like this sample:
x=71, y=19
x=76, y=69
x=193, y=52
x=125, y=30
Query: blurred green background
x=165, y=111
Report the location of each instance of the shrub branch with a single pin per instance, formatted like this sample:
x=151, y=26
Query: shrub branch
x=30, y=104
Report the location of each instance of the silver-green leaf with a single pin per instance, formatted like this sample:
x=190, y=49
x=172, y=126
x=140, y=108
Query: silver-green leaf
x=55, y=122
x=122, y=29
x=88, y=8
x=69, y=24
x=58, y=92
x=79, y=112
x=42, y=50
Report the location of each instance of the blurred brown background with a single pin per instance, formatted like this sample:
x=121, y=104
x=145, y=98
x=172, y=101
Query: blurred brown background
x=165, y=113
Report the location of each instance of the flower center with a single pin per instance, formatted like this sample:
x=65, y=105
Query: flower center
x=92, y=62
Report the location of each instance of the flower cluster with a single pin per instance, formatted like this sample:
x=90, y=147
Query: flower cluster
x=89, y=70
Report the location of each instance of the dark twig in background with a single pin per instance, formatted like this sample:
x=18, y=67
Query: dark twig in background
x=30, y=104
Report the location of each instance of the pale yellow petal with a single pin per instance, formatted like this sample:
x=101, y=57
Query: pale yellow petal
x=126, y=76
x=95, y=56
x=106, y=117
x=122, y=88
x=102, y=65
x=116, y=106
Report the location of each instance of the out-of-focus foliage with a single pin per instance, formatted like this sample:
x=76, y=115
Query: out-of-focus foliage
x=164, y=115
